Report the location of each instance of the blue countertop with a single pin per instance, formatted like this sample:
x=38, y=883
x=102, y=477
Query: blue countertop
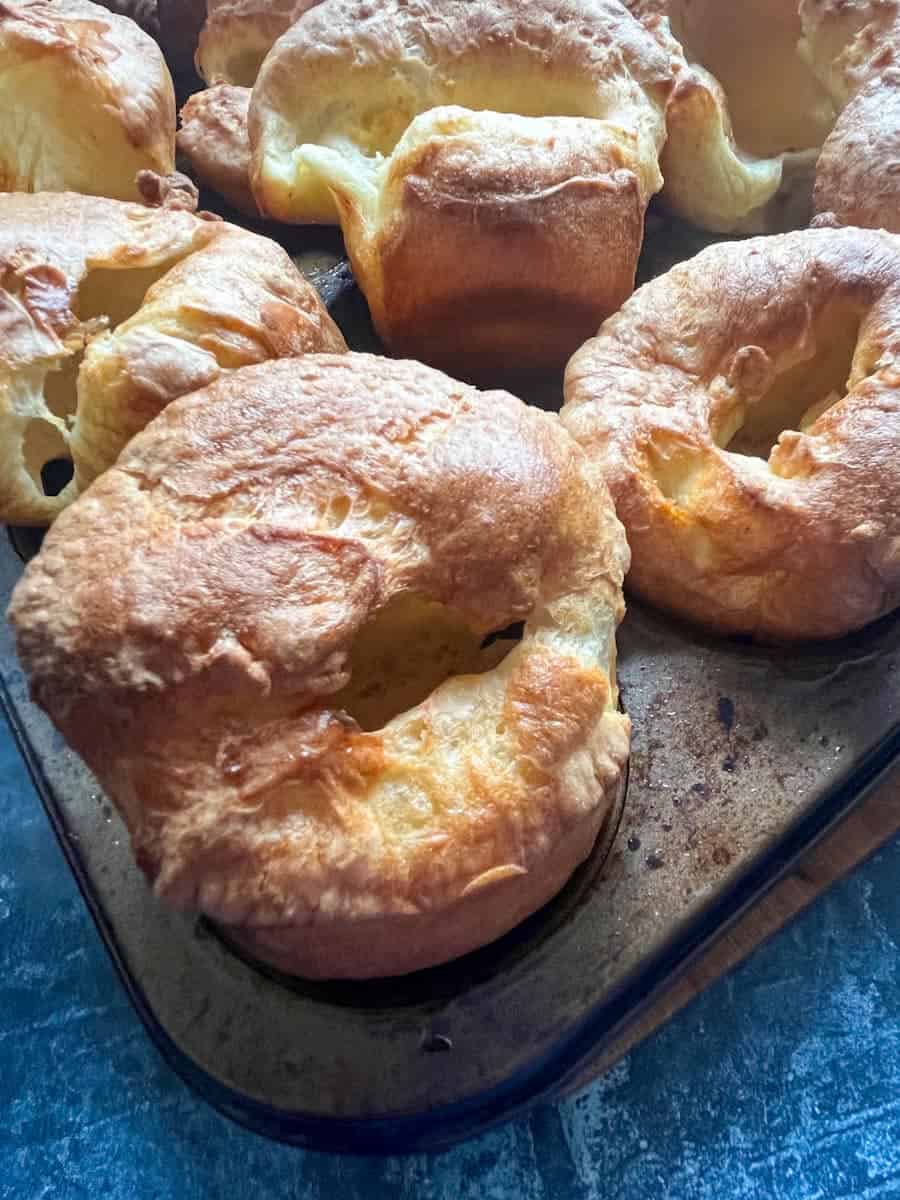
x=782, y=1081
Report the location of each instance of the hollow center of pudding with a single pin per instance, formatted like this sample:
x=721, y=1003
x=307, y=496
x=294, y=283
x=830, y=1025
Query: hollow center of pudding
x=242, y=65
x=43, y=448
x=802, y=392
x=114, y=295
x=377, y=109
x=409, y=648
x=775, y=101
x=117, y=294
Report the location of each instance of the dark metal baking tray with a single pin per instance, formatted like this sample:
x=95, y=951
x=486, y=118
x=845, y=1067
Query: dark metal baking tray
x=742, y=758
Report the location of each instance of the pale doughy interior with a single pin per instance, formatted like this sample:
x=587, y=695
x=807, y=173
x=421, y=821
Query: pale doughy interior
x=775, y=102
x=52, y=154
x=405, y=652
x=352, y=146
x=745, y=125
x=802, y=390
x=48, y=394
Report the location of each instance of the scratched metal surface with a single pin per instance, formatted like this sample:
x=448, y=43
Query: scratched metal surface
x=779, y=1083
x=732, y=746
x=735, y=747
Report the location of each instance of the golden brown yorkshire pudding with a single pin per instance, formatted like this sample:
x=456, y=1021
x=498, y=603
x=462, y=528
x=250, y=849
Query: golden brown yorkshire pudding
x=236, y=37
x=762, y=88
x=848, y=43
x=855, y=50
x=747, y=115
x=214, y=138
x=745, y=411
x=86, y=98
x=108, y=311
x=490, y=164
x=263, y=631
x=238, y=34
x=858, y=173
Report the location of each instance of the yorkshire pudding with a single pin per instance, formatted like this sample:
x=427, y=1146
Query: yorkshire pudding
x=263, y=631
x=746, y=117
x=238, y=34
x=490, y=164
x=761, y=89
x=855, y=50
x=745, y=412
x=858, y=174
x=125, y=307
x=86, y=97
x=236, y=37
x=214, y=138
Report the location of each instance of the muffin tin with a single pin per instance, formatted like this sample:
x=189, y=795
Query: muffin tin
x=742, y=757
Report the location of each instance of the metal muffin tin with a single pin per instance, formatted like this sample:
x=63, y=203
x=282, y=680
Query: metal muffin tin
x=742, y=757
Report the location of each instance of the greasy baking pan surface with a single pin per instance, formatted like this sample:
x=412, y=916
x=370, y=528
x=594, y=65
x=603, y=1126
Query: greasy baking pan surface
x=742, y=757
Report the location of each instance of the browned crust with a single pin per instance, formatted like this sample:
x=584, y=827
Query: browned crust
x=858, y=176
x=211, y=599
x=584, y=40
x=232, y=37
x=168, y=191
x=527, y=204
x=850, y=42
x=648, y=10
x=51, y=237
x=807, y=545
x=235, y=37
x=653, y=15
x=388, y=943
x=112, y=69
x=465, y=243
x=855, y=49
x=594, y=38
x=175, y=24
x=235, y=301
x=213, y=136
x=227, y=297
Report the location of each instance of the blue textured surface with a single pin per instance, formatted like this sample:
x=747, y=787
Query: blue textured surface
x=782, y=1081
